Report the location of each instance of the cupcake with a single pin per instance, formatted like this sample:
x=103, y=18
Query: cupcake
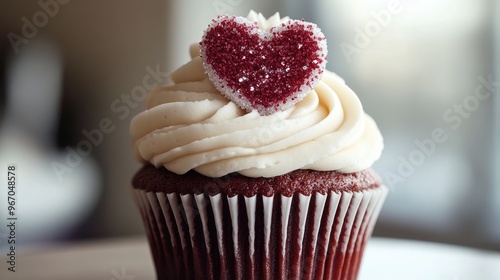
x=257, y=160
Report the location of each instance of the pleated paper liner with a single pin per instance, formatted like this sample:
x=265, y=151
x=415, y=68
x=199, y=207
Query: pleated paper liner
x=198, y=236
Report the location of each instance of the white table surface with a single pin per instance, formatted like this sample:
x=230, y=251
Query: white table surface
x=129, y=259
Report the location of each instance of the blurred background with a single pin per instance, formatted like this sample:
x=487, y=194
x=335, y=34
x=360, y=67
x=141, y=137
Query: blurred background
x=73, y=73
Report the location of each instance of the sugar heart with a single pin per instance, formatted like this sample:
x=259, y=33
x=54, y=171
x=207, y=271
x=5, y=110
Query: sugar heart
x=265, y=71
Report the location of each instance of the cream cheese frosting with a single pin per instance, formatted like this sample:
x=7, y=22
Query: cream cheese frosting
x=189, y=125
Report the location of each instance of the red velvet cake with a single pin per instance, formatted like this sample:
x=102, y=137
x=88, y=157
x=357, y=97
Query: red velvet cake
x=302, y=181
x=257, y=160
x=329, y=221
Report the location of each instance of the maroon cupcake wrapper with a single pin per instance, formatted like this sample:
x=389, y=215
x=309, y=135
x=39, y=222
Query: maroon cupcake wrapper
x=199, y=236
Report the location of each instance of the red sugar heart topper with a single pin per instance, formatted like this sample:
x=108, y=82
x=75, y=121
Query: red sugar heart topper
x=266, y=71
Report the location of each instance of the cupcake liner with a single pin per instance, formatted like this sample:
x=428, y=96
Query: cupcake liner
x=201, y=236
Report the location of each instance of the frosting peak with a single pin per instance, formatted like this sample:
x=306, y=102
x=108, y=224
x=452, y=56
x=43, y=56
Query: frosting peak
x=266, y=24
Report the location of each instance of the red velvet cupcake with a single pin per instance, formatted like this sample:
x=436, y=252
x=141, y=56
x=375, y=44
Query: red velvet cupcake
x=257, y=159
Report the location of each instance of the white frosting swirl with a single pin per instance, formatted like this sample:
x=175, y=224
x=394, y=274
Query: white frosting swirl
x=191, y=126
x=266, y=24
